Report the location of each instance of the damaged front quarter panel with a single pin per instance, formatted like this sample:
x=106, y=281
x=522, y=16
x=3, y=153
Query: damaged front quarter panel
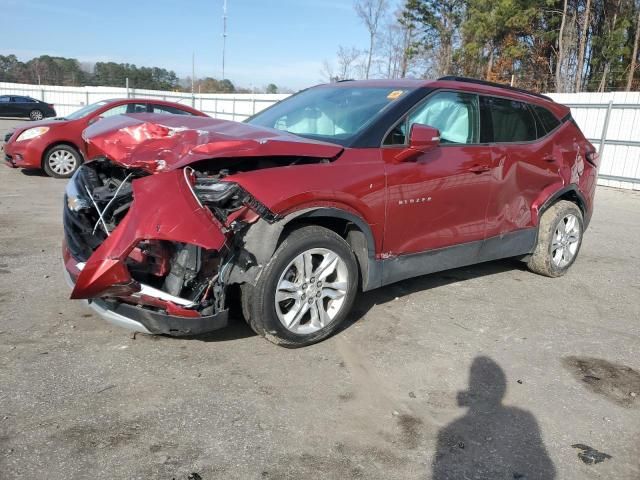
x=166, y=224
x=164, y=209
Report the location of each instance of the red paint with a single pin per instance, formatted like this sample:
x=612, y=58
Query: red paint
x=143, y=140
x=30, y=153
x=157, y=215
x=437, y=197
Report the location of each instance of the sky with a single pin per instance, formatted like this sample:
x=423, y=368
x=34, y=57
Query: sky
x=269, y=41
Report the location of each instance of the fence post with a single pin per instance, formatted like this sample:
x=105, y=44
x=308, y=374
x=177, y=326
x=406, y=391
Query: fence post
x=253, y=106
x=605, y=128
x=233, y=109
x=126, y=83
x=42, y=94
x=86, y=96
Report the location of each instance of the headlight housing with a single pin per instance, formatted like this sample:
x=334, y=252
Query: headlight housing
x=31, y=133
x=76, y=200
x=224, y=197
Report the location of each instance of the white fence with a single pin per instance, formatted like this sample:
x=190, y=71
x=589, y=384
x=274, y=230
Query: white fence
x=227, y=106
x=610, y=120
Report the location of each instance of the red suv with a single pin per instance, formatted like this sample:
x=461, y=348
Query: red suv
x=341, y=187
x=56, y=145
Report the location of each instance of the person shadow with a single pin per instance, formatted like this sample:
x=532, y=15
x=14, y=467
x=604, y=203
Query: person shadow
x=491, y=441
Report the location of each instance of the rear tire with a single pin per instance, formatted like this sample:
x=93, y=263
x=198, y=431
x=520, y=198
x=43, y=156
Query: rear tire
x=305, y=291
x=61, y=161
x=36, y=115
x=559, y=239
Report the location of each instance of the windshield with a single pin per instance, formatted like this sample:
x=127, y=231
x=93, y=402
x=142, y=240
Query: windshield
x=332, y=114
x=84, y=111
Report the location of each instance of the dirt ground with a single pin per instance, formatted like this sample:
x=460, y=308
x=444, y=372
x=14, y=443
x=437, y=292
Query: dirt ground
x=481, y=372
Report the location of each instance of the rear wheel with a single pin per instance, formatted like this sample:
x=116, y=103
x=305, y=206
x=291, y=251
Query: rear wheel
x=36, y=115
x=61, y=161
x=559, y=239
x=305, y=291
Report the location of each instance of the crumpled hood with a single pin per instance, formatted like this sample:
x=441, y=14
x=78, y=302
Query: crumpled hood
x=157, y=142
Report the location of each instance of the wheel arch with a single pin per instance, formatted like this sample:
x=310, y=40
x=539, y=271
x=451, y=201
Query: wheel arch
x=262, y=239
x=570, y=193
x=68, y=143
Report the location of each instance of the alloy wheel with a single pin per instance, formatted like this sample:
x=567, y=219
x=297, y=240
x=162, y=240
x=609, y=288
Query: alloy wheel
x=36, y=115
x=566, y=239
x=311, y=291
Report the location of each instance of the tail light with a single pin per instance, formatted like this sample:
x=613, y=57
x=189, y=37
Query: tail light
x=593, y=158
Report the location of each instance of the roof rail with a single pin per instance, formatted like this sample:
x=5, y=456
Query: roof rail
x=455, y=78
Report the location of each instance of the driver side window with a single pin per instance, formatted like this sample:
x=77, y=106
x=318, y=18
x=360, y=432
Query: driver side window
x=455, y=114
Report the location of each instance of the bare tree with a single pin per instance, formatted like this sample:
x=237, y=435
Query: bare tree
x=371, y=12
x=607, y=65
x=347, y=58
x=561, y=49
x=583, y=46
x=327, y=72
x=391, y=50
x=634, y=54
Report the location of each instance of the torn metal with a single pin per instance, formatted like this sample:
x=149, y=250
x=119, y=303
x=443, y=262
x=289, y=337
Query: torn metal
x=158, y=223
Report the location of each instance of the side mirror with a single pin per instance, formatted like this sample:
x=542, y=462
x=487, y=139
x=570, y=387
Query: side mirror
x=422, y=138
x=94, y=120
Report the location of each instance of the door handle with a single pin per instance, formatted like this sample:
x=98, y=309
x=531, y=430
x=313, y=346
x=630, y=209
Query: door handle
x=549, y=159
x=480, y=168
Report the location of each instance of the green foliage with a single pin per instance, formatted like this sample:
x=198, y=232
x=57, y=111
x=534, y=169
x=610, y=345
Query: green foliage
x=47, y=70
x=503, y=39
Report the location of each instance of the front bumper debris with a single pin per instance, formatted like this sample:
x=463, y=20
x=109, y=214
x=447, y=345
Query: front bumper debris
x=144, y=254
x=142, y=320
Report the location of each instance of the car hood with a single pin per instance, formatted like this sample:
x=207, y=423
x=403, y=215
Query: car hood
x=156, y=142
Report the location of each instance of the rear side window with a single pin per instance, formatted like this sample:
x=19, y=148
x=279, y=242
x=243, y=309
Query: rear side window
x=547, y=120
x=137, y=108
x=512, y=121
x=23, y=100
x=4, y=99
x=169, y=110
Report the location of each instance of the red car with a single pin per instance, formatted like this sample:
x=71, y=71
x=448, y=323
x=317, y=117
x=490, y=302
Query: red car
x=56, y=145
x=339, y=188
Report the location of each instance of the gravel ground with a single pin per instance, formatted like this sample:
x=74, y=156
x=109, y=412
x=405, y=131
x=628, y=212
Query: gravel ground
x=481, y=372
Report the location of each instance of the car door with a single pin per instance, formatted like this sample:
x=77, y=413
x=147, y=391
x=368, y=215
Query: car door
x=439, y=198
x=22, y=106
x=526, y=162
x=6, y=106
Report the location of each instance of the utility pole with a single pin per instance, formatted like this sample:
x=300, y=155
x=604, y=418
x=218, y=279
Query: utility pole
x=193, y=78
x=224, y=34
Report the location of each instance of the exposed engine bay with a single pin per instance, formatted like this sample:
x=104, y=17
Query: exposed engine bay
x=179, y=278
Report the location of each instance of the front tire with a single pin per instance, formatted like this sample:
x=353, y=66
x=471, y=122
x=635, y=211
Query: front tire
x=559, y=240
x=61, y=161
x=36, y=115
x=306, y=289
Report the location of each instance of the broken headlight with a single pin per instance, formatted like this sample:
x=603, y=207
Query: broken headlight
x=76, y=200
x=223, y=198
x=211, y=190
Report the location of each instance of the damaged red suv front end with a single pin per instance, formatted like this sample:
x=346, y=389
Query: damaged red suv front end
x=148, y=223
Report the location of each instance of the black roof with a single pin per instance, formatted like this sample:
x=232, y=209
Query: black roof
x=455, y=78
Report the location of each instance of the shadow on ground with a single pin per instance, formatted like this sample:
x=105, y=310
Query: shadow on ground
x=366, y=301
x=491, y=441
